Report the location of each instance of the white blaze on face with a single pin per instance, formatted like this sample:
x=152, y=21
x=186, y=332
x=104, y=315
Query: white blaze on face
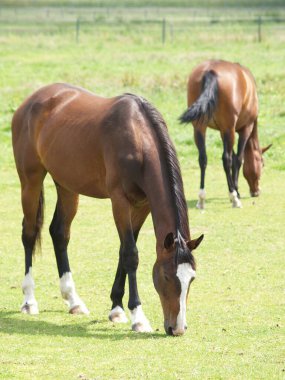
x=185, y=273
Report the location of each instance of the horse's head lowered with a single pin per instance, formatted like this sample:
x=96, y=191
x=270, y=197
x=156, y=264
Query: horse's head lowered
x=173, y=272
x=253, y=164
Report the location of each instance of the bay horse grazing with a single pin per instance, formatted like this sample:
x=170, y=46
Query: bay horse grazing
x=222, y=95
x=116, y=148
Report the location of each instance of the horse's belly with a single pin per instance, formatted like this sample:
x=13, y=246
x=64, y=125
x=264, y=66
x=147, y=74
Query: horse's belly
x=78, y=181
x=81, y=175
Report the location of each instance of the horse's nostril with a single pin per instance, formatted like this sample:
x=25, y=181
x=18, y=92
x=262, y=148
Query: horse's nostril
x=185, y=327
x=170, y=331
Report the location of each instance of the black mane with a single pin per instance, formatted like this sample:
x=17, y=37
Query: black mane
x=172, y=166
x=183, y=254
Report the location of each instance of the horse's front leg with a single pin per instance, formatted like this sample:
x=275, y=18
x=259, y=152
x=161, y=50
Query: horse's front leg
x=228, y=142
x=65, y=211
x=238, y=158
x=117, y=313
x=128, y=264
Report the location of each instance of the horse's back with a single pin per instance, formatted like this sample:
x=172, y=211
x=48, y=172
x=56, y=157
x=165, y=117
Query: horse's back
x=237, y=98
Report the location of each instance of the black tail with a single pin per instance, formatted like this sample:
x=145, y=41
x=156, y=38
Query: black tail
x=40, y=220
x=202, y=110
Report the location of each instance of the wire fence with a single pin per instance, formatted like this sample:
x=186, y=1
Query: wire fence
x=164, y=24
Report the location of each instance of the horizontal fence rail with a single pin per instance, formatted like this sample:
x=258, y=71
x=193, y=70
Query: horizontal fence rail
x=165, y=23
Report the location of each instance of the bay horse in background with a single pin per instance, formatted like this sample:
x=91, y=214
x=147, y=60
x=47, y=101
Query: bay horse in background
x=116, y=148
x=222, y=95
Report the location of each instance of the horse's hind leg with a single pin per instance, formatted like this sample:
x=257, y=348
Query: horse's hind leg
x=32, y=203
x=128, y=222
x=64, y=213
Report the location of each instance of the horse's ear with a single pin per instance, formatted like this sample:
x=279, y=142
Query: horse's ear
x=169, y=241
x=263, y=150
x=193, y=244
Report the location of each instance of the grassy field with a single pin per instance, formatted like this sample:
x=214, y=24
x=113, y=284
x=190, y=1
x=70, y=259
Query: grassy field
x=236, y=307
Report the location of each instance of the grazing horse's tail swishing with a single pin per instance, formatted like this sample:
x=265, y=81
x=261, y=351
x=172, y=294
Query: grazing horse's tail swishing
x=203, y=108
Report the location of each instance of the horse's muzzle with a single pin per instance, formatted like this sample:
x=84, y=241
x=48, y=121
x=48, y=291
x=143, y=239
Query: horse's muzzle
x=255, y=193
x=180, y=331
x=175, y=332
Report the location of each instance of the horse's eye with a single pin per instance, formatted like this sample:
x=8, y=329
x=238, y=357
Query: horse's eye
x=166, y=277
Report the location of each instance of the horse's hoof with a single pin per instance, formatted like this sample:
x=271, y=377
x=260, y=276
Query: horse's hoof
x=139, y=321
x=201, y=199
x=200, y=205
x=117, y=315
x=30, y=309
x=237, y=205
x=142, y=327
x=79, y=309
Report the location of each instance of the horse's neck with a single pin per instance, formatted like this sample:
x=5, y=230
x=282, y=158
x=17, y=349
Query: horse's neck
x=253, y=142
x=163, y=210
x=163, y=221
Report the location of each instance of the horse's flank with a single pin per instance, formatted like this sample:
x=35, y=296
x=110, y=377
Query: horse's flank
x=237, y=96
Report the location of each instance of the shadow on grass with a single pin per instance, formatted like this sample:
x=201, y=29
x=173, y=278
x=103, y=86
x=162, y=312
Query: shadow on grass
x=192, y=203
x=10, y=324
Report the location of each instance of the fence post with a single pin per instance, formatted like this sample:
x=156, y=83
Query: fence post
x=259, y=20
x=77, y=29
x=163, y=30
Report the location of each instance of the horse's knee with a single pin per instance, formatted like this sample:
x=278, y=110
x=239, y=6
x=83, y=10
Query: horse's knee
x=236, y=162
x=227, y=160
x=130, y=259
x=239, y=163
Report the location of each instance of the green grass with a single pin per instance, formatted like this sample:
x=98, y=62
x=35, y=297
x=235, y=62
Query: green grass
x=236, y=306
